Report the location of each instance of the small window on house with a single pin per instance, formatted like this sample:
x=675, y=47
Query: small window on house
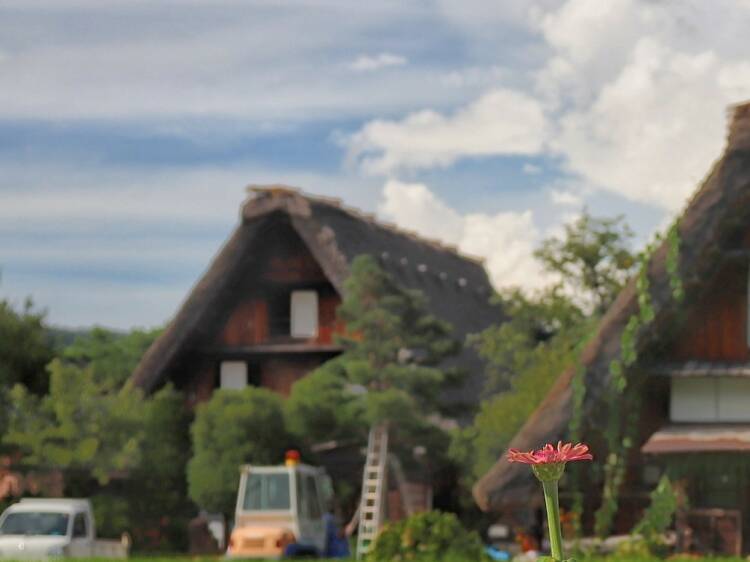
x=693, y=399
x=80, y=527
x=703, y=399
x=734, y=396
x=233, y=375
x=304, y=314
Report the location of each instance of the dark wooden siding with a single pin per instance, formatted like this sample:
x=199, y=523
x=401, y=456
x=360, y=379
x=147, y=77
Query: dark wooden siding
x=716, y=327
x=247, y=324
x=280, y=373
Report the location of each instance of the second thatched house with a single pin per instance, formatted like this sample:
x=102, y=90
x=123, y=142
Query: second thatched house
x=663, y=385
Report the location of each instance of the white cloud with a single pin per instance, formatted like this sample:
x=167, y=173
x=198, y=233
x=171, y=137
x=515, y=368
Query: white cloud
x=531, y=169
x=653, y=131
x=505, y=240
x=499, y=122
x=632, y=98
x=365, y=63
x=484, y=77
x=641, y=90
x=565, y=198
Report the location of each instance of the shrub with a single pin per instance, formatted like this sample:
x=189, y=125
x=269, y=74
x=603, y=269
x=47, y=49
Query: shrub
x=658, y=516
x=427, y=536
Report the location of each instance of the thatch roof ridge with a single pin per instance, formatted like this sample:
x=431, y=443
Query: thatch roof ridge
x=722, y=201
x=278, y=190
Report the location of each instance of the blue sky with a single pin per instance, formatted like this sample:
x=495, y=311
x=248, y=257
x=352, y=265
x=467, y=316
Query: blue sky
x=129, y=129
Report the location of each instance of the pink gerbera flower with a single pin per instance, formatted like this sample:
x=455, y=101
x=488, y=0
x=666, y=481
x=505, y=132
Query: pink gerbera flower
x=548, y=454
x=548, y=462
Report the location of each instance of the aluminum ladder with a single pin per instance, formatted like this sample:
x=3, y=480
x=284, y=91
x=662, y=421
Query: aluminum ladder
x=374, y=486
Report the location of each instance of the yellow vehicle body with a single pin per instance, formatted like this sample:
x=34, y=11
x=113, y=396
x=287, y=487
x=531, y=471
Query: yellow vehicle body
x=279, y=508
x=260, y=541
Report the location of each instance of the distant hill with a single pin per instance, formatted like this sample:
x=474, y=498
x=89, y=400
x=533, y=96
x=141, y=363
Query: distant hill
x=61, y=337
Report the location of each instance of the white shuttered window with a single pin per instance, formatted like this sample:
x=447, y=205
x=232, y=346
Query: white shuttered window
x=304, y=314
x=710, y=399
x=233, y=375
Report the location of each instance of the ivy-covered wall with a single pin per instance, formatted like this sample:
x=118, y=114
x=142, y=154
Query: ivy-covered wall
x=622, y=398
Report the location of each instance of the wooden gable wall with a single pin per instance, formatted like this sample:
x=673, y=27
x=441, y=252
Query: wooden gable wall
x=283, y=264
x=715, y=328
x=243, y=325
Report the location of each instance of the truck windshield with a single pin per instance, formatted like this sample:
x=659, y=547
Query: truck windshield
x=265, y=492
x=35, y=523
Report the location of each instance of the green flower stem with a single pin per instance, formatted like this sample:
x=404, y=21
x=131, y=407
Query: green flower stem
x=553, y=519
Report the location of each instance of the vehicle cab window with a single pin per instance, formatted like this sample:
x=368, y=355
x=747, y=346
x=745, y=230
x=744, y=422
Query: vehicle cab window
x=80, y=526
x=308, y=494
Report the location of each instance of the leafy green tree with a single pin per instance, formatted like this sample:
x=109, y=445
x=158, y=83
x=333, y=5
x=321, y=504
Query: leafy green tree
x=151, y=503
x=128, y=452
x=233, y=428
x=532, y=320
x=79, y=425
x=391, y=363
x=113, y=356
x=541, y=335
x=321, y=408
x=159, y=508
x=391, y=370
x=25, y=349
x=592, y=258
x=502, y=415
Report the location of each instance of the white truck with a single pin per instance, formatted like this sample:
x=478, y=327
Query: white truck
x=42, y=528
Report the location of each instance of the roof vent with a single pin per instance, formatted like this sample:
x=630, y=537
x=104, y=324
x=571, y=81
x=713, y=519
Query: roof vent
x=385, y=255
x=443, y=276
x=404, y=261
x=422, y=268
x=462, y=282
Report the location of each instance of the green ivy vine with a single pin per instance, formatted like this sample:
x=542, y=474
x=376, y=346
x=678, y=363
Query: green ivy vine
x=673, y=262
x=623, y=402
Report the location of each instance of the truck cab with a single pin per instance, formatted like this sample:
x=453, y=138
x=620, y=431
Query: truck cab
x=40, y=528
x=281, y=510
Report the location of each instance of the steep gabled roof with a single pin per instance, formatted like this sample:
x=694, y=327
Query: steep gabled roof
x=455, y=285
x=719, y=208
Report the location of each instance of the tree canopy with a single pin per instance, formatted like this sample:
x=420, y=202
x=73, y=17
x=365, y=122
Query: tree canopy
x=390, y=369
x=592, y=258
x=233, y=428
x=112, y=356
x=79, y=424
x=542, y=333
x=25, y=348
x=89, y=420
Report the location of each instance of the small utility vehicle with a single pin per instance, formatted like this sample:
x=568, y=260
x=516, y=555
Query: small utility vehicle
x=282, y=511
